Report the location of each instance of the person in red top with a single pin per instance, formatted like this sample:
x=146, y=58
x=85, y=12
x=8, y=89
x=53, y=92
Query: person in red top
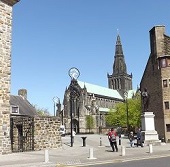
x=112, y=135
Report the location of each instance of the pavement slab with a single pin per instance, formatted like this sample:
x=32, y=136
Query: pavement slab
x=96, y=150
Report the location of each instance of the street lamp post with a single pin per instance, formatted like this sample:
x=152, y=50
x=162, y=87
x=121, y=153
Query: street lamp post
x=56, y=101
x=74, y=95
x=127, y=110
x=100, y=125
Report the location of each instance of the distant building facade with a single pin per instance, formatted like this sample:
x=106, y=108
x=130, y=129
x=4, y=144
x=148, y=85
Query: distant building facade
x=156, y=78
x=95, y=100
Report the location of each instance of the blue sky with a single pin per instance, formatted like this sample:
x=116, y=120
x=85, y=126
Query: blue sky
x=50, y=37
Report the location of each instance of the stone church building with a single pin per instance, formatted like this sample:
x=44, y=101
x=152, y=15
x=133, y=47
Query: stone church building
x=156, y=78
x=95, y=100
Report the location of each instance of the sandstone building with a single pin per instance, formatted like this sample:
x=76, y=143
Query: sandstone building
x=5, y=72
x=156, y=78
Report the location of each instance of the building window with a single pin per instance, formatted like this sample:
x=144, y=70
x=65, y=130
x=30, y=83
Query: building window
x=165, y=83
x=168, y=62
x=168, y=127
x=14, y=109
x=164, y=62
x=166, y=105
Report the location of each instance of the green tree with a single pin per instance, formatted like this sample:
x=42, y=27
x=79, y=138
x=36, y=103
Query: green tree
x=42, y=111
x=89, y=122
x=118, y=116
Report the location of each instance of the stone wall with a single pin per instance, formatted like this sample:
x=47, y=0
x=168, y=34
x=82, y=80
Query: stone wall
x=22, y=133
x=46, y=133
x=167, y=45
x=5, y=75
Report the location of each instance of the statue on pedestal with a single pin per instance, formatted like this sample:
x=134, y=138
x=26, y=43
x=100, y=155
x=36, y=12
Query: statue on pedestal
x=94, y=107
x=148, y=132
x=145, y=100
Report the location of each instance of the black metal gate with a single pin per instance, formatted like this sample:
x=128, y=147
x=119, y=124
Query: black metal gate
x=22, y=133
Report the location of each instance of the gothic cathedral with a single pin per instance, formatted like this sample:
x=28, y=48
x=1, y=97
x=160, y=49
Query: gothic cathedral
x=86, y=113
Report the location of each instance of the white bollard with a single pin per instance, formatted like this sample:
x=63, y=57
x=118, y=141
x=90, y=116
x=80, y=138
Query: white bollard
x=91, y=154
x=122, y=150
x=150, y=148
x=46, y=156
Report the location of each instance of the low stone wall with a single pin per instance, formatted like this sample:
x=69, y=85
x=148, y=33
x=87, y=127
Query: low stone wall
x=46, y=133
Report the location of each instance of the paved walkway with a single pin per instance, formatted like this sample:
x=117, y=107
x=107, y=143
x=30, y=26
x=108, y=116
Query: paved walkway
x=97, y=150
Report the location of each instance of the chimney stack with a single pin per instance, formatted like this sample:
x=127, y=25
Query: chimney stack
x=23, y=93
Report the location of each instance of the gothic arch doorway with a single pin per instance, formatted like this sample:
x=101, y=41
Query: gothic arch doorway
x=76, y=125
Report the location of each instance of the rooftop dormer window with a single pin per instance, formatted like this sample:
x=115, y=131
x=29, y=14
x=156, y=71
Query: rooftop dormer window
x=14, y=109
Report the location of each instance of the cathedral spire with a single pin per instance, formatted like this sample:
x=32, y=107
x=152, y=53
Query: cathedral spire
x=119, y=66
x=119, y=50
x=119, y=79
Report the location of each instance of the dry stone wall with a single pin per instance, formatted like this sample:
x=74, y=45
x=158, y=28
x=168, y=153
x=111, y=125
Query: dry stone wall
x=46, y=133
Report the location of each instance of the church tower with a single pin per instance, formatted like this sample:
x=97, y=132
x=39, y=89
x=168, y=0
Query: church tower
x=119, y=79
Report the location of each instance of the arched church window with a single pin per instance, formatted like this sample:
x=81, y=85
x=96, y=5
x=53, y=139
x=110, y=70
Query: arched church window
x=117, y=83
x=120, y=83
x=114, y=85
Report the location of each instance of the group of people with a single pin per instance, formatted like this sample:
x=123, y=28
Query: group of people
x=112, y=136
x=138, y=138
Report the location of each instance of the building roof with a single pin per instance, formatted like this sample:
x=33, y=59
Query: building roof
x=25, y=108
x=104, y=109
x=10, y=2
x=95, y=89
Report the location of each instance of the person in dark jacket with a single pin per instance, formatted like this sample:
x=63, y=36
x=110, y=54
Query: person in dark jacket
x=139, y=141
x=131, y=139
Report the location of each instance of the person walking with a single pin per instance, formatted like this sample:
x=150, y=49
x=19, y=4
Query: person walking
x=73, y=135
x=131, y=139
x=139, y=142
x=112, y=135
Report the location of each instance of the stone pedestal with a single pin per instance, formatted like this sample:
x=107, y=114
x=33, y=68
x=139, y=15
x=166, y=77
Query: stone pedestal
x=149, y=134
